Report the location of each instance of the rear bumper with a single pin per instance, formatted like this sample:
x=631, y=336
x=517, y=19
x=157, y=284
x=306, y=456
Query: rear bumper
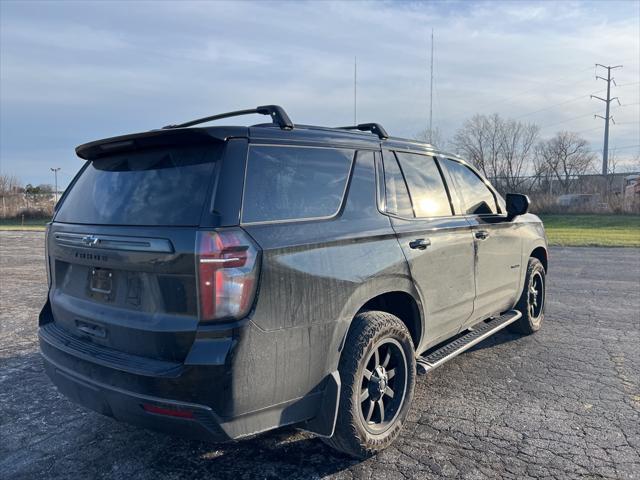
x=196, y=421
x=198, y=398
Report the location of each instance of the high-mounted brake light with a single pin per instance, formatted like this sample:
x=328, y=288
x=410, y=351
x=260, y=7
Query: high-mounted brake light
x=227, y=265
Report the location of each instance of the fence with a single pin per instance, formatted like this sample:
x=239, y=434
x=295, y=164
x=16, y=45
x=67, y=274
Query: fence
x=26, y=205
x=616, y=193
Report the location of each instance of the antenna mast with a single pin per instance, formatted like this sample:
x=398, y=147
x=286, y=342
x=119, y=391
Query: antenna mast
x=431, y=95
x=355, y=90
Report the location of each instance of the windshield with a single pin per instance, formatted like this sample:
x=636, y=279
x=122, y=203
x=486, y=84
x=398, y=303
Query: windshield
x=160, y=187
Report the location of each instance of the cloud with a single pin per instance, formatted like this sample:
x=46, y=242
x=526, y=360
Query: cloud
x=75, y=71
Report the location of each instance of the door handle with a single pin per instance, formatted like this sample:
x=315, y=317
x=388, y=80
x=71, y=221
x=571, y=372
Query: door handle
x=420, y=243
x=482, y=234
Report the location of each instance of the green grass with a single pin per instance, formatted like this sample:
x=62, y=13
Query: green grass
x=29, y=224
x=593, y=230
x=564, y=230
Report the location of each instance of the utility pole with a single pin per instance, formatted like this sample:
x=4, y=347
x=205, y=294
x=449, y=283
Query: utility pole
x=607, y=117
x=431, y=95
x=355, y=90
x=55, y=173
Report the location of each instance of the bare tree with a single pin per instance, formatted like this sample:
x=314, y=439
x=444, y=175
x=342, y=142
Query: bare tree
x=436, y=138
x=478, y=141
x=9, y=184
x=617, y=164
x=501, y=149
x=517, y=145
x=563, y=157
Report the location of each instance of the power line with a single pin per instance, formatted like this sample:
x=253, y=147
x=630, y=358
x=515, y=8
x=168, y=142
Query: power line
x=573, y=99
x=588, y=115
x=623, y=105
x=588, y=130
x=619, y=148
x=554, y=105
x=536, y=88
x=567, y=120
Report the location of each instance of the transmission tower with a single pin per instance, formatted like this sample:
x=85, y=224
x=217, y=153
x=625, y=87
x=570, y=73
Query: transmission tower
x=607, y=117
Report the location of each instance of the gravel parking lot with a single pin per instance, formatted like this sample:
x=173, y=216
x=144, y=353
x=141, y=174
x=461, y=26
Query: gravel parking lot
x=563, y=403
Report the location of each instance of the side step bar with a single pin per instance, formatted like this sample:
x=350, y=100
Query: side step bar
x=435, y=359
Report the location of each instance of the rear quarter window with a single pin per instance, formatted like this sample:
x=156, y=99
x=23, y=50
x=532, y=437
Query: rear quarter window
x=396, y=193
x=294, y=183
x=426, y=187
x=165, y=187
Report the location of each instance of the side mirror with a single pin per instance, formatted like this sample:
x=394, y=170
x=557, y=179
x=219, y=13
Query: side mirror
x=517, y=204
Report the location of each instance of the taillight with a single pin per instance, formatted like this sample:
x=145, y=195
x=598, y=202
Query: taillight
x=170, y=412
x=227, y=264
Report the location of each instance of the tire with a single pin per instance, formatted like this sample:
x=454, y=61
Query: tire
x=532, y=299
x=375, y=338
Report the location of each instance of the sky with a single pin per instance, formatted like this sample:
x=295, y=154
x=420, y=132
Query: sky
x=73, y=72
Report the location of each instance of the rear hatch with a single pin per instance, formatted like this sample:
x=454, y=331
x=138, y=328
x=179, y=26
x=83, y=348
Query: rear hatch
x=121, y=250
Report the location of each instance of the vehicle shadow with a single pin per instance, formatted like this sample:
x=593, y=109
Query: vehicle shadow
x=503, y=336
x=285, y=453
x=95, y=446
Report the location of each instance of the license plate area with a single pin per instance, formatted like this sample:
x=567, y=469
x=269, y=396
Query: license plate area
x=101, y=281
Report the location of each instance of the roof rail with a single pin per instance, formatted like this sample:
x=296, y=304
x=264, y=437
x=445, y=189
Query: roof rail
x=278, y=117
x=369, y=127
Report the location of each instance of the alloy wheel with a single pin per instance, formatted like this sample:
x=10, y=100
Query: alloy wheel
x=383, y=385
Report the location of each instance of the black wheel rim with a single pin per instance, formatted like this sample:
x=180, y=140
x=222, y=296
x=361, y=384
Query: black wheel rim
x=536, y=296
x=383, y=385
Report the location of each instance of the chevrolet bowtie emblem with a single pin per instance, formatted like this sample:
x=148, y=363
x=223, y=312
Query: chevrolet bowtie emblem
x=90, y=241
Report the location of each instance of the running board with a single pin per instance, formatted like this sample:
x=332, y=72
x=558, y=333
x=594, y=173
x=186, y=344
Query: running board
x=435, y=359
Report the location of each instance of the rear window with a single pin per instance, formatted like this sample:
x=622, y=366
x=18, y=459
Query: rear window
x=294, y=183
x=161, y=187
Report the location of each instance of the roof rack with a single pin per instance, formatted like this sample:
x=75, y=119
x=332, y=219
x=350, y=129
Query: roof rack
x=278, y=116
x=369, y=127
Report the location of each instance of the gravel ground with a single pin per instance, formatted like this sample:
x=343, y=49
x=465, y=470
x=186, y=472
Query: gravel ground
x=563, y=403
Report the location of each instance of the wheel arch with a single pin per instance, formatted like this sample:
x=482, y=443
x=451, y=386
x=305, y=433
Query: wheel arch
x=386, y=294
x=541, y=254
x=403, y=305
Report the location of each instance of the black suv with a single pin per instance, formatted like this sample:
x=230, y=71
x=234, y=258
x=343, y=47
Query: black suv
x=223, y=281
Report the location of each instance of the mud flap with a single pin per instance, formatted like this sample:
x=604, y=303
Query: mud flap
x=324, y=423
x=45, y=315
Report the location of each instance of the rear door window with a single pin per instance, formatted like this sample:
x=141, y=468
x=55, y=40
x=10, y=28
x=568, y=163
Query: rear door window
x=294, y=183
x=165, y=187
x=477, y=198
x=426, y=187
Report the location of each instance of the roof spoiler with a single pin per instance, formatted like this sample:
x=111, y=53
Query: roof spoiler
x=139, y=141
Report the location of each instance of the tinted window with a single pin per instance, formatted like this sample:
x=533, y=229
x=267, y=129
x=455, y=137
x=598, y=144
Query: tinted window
x=287, y=183
x=477, y=199
x=426, y=188
x=165, y=187
x=396, y=195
